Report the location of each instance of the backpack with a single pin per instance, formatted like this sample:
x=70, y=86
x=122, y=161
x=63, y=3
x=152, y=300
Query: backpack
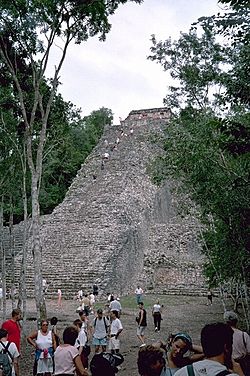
x=5, y=365
x=105, y=364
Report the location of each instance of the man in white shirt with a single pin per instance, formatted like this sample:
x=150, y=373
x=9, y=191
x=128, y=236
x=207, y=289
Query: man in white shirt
x=115, y=330
x=105, y=156
x=44, y=285
x=138, y=294
x=80, y=295
x=12, y=351
x=216, y=341
x=115, y=305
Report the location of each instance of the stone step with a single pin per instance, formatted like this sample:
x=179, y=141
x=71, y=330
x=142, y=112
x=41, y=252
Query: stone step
x=109, y=228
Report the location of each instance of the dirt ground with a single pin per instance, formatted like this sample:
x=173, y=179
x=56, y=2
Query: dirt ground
x=180, y=313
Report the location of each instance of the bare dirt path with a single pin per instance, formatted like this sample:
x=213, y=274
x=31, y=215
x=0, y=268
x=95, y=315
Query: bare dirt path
x=180, y=313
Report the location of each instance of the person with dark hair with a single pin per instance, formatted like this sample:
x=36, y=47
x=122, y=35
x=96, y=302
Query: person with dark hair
x=151, y=361
x=138, y=294
x=111, y=297
x=100, y=331
x=11, y=350
x=142, y=323
x=13, y=327
x=67, y=358
x=81, y=343
x=177, y=348
x=86, y=303
x=216, y=341
x=241, y=342
x=209, y=297
x=85, y=323
x=156, y=313
x=53, y=323
x=95, y=290
x=115, y=330
x=115, y=305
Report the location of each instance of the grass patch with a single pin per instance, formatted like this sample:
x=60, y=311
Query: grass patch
x=129, y=301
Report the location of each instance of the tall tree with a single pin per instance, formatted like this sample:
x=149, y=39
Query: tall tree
x=32, y=29
x=3, y=260
x=195, y=64
x=208, y=153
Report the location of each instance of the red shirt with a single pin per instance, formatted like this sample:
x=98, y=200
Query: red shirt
x=14, y=332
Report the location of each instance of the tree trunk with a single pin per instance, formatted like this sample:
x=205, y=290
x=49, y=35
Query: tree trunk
x=3, y=261
x=12, y=253
x=37, y=251
x=222, y=297
x=22, y=301
x=245, y=305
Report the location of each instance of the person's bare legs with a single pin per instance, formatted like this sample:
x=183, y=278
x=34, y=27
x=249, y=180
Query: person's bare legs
x=141, y=338
x=97, y=349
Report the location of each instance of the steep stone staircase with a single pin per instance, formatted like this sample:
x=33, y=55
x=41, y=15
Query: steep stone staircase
x=115, y=228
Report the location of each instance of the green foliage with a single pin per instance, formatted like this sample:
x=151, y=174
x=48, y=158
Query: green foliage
x=78, y=20
x=29, y=29
x=207, y=153
x=233, y=24
x=31, y=112
x=198, y=153
x=11, y=149
x=70, y=139
x=236, y=4
x=195, y=64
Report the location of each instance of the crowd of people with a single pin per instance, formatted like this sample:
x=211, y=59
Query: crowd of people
x=214, y=358
x=90, y=345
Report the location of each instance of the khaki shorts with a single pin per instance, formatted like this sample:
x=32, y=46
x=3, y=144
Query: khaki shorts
x=114, y=344
x=140, y=330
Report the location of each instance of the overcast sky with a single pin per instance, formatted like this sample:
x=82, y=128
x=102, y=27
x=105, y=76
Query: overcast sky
x=116, y=73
